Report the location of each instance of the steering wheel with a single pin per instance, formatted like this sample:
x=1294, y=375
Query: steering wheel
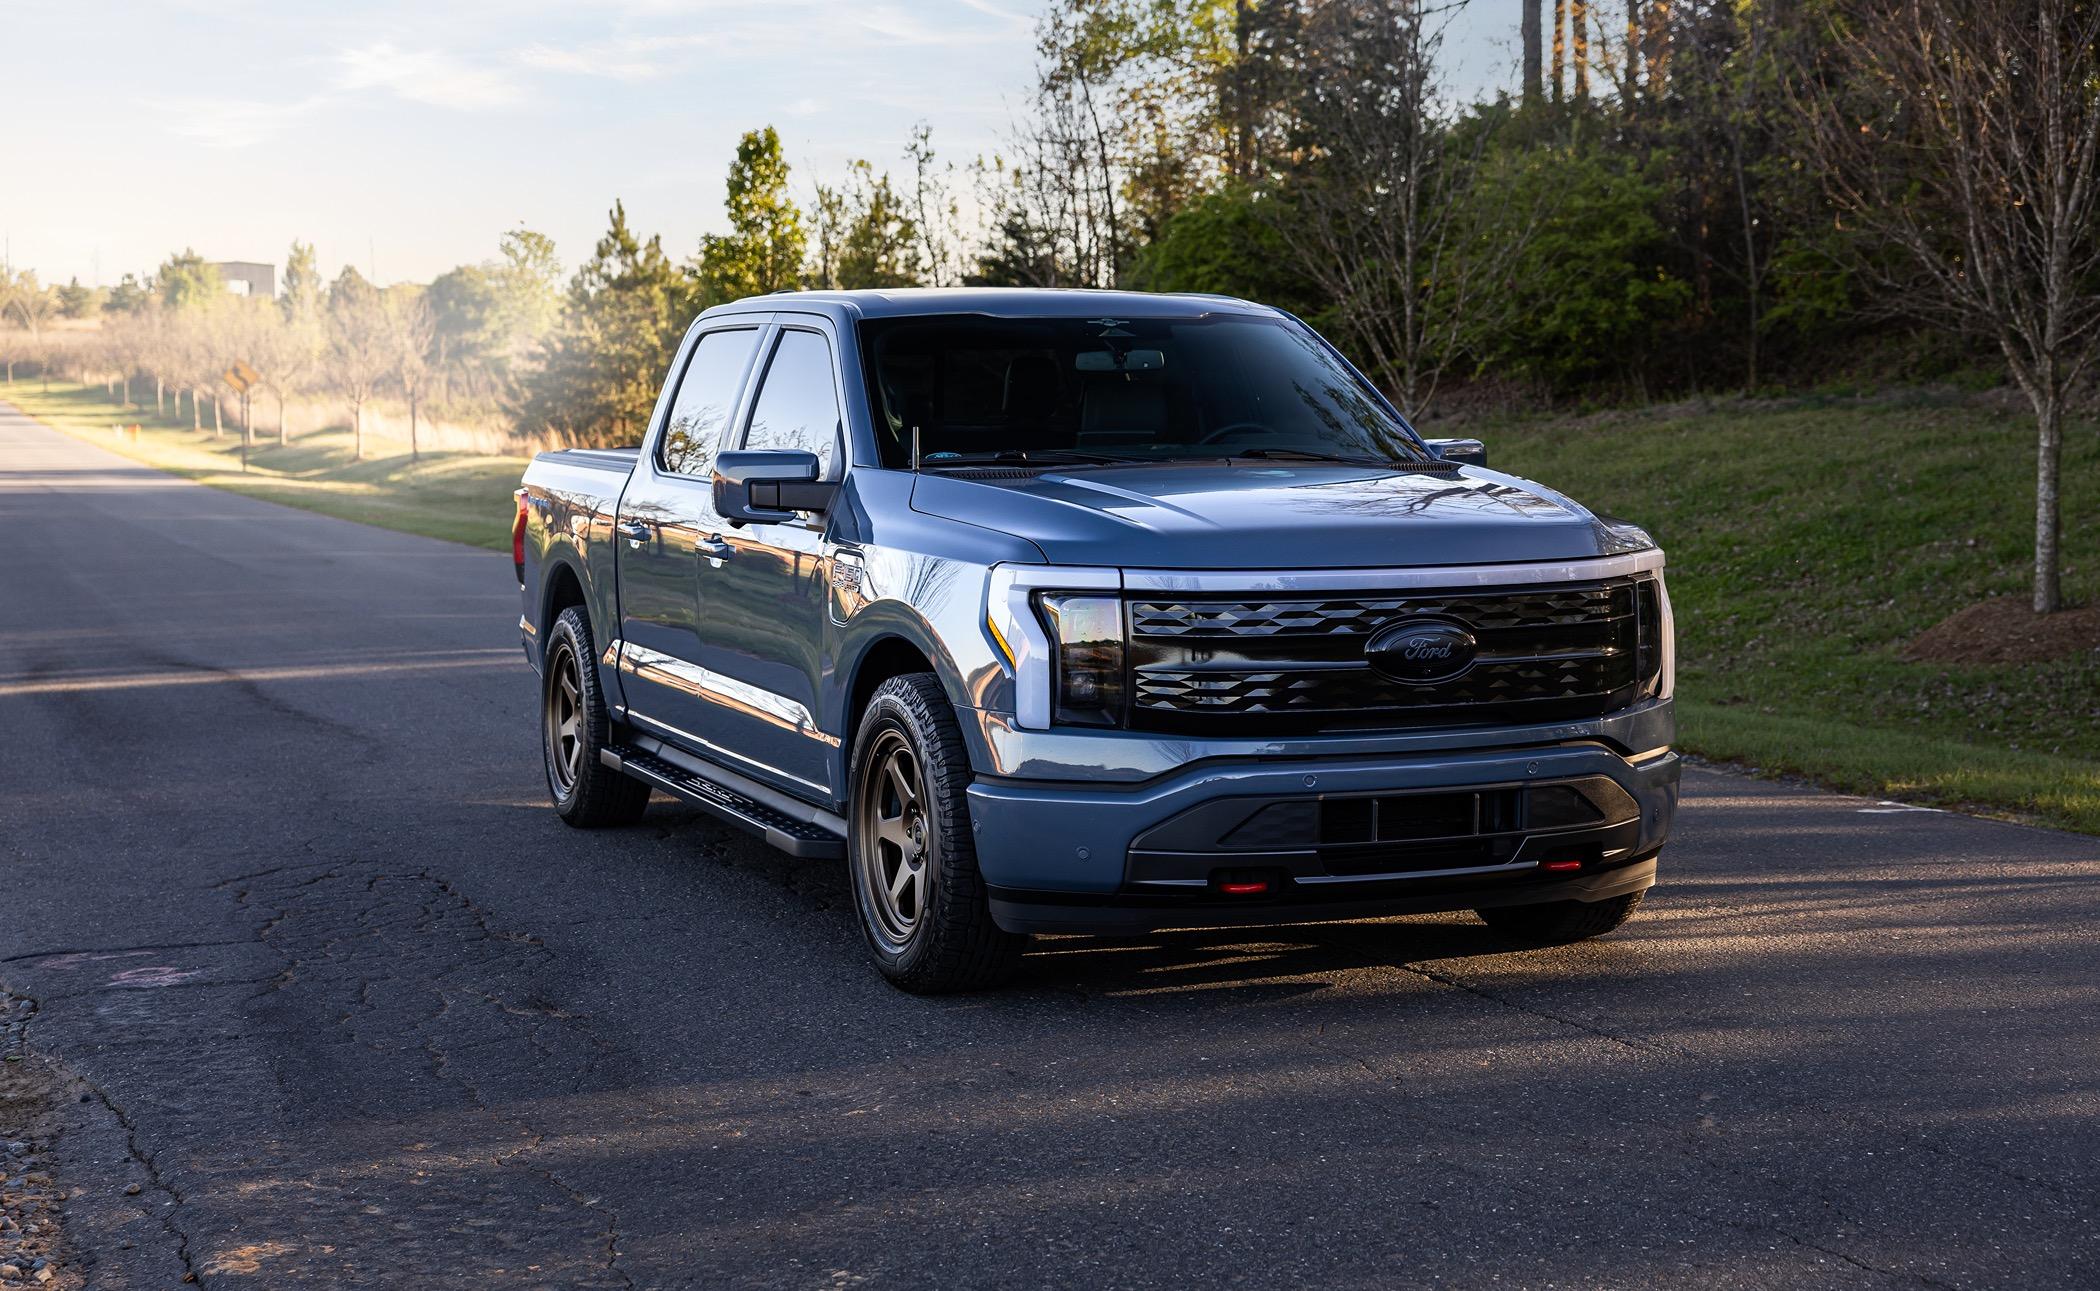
x=1237, y=430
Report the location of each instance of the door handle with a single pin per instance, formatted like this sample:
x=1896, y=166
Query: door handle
x=714, y=548
x=634, y=531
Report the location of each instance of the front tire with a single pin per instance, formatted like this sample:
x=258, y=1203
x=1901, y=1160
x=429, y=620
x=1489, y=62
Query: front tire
x=916, y=887
x=573, y=728
x=1555, y=923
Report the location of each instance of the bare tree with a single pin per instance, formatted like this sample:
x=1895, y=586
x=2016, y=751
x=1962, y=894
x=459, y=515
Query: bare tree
x=360, y=349
x=1560, y=48
x=1533, y=33
x=1958, y=141
x=934, y=211
x=1386, y=216
x=412, y=329
x=34, y=304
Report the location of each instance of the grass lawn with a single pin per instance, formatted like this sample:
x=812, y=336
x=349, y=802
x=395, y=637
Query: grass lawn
x=1808, y=540
x=458, y=496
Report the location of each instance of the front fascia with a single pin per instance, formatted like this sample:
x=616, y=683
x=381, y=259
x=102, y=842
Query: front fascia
x=1011, y=589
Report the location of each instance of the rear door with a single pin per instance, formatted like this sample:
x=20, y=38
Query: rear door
x=763, y=608
x=666, y=512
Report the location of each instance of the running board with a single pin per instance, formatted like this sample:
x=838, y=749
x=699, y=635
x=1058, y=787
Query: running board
x=795, y=837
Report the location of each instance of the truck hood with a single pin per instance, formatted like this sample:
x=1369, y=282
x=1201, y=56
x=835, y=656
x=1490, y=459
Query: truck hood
x=1269, y=516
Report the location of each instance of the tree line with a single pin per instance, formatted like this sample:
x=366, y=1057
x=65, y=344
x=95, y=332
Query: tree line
x=1680, y=195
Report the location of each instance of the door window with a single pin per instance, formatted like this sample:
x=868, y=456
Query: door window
x=706, y=396
x=798, y=406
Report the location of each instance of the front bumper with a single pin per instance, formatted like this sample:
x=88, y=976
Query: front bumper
x=1103, y=857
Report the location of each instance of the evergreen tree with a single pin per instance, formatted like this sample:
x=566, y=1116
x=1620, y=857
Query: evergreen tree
x=605, y=362
x=762, y=252
x=301, y=300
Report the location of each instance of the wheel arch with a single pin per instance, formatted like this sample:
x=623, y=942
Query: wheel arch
x=562, y=588
x=891, y=654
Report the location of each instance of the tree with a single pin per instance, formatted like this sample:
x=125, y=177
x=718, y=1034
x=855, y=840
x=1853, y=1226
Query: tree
x=1382, y=216
x=828, y=228
x=1533, y=51
x=1960, y=145
x=76, y=301
x=527, y=278
x=128, y=296
x=412, y=329
x=762, y=252
x=185, y=281
x=604, y=363
x=33, y=304
x=880, y=247
x=935, y=214
x=360, y=348
x=301, y=298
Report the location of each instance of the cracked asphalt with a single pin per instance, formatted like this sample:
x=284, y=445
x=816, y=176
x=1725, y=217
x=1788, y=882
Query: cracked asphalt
x=330, y=999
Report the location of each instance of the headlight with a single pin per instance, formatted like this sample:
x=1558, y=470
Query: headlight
x=1025, y=632
x=1616, y=537
x=1655, y=648
x=1086, y=631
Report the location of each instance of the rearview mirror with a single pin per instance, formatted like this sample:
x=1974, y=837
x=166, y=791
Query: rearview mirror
x=1470, y=452
x=1127, y=361
x=769, y=485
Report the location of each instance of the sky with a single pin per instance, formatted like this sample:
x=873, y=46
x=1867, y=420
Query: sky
x=406, y=137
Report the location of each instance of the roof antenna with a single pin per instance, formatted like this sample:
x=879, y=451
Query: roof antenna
x=915, y=446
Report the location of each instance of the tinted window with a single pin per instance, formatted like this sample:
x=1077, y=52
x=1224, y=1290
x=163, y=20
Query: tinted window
x=706, y=395
x=1152, y=389
x=798, y=406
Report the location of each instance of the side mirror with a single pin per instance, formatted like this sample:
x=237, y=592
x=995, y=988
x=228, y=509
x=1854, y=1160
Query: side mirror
x=769, y=485
x=1471, y=452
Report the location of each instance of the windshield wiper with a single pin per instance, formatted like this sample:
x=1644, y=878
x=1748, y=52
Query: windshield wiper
x=1302, y=455
x=1306, y=455
x=1028, y=455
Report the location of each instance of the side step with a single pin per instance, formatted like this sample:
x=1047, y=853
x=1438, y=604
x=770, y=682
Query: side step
x=795, y=837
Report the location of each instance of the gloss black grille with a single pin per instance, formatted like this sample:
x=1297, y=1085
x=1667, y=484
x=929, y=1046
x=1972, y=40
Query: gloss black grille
x=1299, y=663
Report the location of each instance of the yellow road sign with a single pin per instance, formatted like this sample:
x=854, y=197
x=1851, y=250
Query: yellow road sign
x=242, y=377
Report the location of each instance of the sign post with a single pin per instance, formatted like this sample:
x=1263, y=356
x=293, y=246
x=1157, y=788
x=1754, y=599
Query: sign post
x=244, y=379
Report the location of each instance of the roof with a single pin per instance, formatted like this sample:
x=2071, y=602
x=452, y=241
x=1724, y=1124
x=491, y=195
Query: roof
x=1008, y=302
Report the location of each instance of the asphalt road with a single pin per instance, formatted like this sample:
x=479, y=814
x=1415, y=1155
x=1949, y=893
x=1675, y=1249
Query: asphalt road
x=352, y=1008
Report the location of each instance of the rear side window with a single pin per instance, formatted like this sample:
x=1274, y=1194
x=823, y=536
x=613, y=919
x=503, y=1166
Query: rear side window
x=706, y=396
x=798, y=406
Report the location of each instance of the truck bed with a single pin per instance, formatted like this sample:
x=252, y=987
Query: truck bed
x=586, y=479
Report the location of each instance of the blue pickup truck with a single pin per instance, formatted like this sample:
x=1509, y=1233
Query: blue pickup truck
x=1096, y=612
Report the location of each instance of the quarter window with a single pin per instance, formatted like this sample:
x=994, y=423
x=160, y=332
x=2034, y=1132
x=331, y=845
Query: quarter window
x=706, y=396
x=798, y=406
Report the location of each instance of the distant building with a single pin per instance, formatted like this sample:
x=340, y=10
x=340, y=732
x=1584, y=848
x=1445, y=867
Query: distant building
x=248, y=277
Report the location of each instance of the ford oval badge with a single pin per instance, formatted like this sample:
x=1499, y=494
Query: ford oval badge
x=1421, y=651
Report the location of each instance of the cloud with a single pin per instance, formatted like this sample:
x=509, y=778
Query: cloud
x=632, y=58
x=906, y=27
x=228, y=123
x=428, y=76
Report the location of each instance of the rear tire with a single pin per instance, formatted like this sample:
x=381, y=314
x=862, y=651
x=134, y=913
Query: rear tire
x=916, y=887
x=1559, y=922
x=573, y=728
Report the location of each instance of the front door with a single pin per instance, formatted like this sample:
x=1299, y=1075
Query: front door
x=665, y=513
x=763, y=613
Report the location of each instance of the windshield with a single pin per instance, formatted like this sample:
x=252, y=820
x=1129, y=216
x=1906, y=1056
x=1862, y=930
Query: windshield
x=1073, y=390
